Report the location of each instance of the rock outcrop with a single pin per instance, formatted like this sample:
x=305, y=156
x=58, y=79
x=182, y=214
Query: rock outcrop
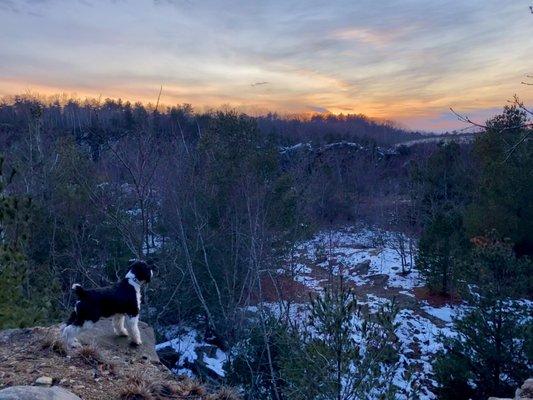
x=526, y=391
x=34, y=364
x=36, y=393
x=101, y=335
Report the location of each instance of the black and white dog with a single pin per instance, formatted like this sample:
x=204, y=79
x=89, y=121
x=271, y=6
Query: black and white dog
x=122, y=301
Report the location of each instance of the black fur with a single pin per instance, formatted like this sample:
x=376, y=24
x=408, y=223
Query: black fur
x=94, y=304
x=121, y=299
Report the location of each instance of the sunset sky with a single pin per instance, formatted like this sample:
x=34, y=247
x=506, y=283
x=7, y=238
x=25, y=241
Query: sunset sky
x=405, y=60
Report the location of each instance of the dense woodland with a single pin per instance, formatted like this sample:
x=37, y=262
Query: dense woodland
x=216, y=199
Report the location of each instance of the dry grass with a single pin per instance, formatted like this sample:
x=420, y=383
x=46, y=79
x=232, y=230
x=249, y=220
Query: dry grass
x=224, y=393
x=191, y=388
x=138, y=377
x=92, y=357
x=164, y=390
x=54, y=344
x=136, y=391
x=91, y=372
x=141, y=385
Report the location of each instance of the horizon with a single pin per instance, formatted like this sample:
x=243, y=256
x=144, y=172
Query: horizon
x=62, y=99
x=406, y=63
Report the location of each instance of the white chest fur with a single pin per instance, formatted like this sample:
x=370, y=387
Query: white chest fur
x=133, y=282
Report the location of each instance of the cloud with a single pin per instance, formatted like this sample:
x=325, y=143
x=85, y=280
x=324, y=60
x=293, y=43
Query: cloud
x=318, y=109
x=365, y=36
x=395, y=59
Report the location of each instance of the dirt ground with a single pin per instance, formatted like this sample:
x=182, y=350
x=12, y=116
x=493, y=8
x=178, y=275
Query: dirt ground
x=91, y=372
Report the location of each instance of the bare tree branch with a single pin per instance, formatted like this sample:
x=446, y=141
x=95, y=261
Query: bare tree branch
x=528, y=126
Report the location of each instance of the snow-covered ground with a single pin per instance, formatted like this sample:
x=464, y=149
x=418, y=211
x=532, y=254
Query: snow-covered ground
x=370, y=261
x=190, y=346
x=348, y=248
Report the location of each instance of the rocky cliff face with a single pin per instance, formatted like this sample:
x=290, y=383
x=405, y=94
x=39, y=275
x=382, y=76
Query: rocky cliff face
x=35, y=364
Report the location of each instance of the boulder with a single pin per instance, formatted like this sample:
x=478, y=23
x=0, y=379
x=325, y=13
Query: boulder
x=361, y=268
x=526, y=391
x=102, y=336
x=36, y=393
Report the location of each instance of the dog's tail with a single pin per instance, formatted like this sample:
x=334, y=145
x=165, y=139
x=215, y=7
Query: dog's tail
x=80, y=292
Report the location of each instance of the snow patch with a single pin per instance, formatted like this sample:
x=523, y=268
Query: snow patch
x=191, y=349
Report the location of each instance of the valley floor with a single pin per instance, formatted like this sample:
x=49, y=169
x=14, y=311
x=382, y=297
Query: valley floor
x=368, y=260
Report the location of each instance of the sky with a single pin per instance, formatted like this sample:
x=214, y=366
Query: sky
x=403, y=60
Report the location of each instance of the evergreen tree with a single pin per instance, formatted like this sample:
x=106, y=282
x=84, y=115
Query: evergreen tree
x=502, y=199
x=490, y=354
x=343, y=354
x=15, y=309
x=441, y=248
x=443, y=192
x=339, y=353
x=249, y=368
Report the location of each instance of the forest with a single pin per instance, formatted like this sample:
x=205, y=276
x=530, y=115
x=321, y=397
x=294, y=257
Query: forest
x=223, y=205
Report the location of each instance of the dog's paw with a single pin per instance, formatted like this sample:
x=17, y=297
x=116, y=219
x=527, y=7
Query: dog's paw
x=122, y=333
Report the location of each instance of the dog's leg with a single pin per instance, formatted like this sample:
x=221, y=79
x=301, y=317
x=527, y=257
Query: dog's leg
x=118, y=325
x=71, y=330
x=69, y=334
x=133, y=327
x=115, y=325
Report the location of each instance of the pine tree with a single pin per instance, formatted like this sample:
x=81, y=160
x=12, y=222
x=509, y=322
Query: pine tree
x=502, y=199
x=343, y=354
x=490, y=354
x=14, y=219
x=441, y=248
x=443, y=191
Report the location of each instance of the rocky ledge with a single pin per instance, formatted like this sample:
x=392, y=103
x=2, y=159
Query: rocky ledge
x=34, y=364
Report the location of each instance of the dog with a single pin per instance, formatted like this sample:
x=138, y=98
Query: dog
x=121, y=301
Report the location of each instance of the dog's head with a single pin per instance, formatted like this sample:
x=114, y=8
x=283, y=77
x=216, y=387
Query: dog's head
x=141, y=270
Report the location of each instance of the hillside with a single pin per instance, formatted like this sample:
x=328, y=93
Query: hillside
x=105, y=367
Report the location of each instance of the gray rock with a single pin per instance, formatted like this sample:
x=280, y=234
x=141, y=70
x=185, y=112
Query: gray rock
x=361, y=268
x=101, y=336
x=527, y=389
x=36, y=393
x=44, y=381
